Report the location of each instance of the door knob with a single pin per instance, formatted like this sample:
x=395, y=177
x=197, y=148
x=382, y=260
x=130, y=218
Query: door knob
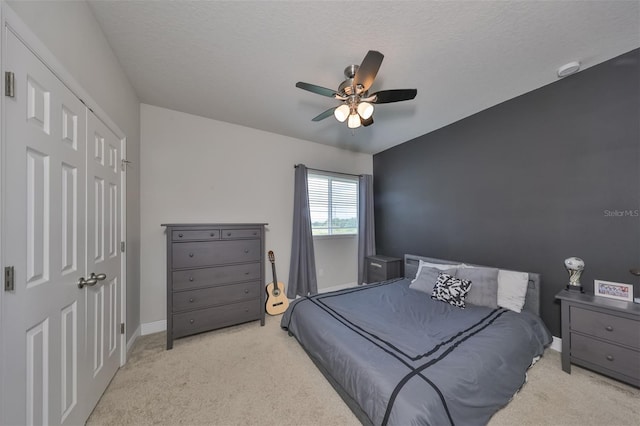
x=90, y=282
x=99, y=277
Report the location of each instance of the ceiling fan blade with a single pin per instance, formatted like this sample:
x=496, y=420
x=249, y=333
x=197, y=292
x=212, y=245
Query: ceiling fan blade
x=368, y=69
x=398, y=95
x=316, y=89
x=327, y=113
x=368, y=121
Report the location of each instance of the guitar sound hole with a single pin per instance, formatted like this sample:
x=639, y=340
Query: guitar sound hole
x=276, y=292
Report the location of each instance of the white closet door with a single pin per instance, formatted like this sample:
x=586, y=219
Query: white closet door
x=45, y=179
x=52, y=373
x=103, y=254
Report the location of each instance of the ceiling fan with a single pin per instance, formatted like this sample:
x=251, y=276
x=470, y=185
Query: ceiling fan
x=357, y=104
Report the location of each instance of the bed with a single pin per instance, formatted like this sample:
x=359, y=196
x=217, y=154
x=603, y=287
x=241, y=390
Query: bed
x=398, y=357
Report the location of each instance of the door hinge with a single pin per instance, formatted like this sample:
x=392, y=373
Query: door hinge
x=9, y=281
x=121, y=328
x=122, y=246
x=9, y=84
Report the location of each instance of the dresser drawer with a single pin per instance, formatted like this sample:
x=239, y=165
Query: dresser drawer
x=211, y=296
x=205, y=277
x=209, y=253
x=609, y=327
x=221, y=316
x=240, y=233
x=607, y=355
x=208, y=234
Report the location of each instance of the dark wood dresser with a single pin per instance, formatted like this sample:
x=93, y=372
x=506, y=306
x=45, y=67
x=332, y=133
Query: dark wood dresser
x=215, y=276
x=381, y=268
x=602, y=335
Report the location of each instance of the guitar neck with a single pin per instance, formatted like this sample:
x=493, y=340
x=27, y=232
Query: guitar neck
x=275, y=277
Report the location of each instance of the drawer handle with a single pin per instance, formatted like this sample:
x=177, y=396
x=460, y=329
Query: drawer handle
x=191, y=321
x=212, y=234
x=228, y=234
x=191, y=300
x=246, y=310
x=180, y=235
x=191, y=279
x=190, y=254
x=246, y=250
x=608, y=328
x=246, y=273
x=246, y=291
x=255, y=233
x=610, y=358
x=377, y=265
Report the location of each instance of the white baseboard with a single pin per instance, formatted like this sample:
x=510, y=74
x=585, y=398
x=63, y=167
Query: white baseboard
x=133, y=338
x=556, y=344
x=336, y=287
x=153, y=327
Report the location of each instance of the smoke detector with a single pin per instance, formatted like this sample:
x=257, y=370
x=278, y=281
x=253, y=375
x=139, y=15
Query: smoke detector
x=568, y=69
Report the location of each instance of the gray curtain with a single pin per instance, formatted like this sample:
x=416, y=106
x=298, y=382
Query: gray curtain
x=302, y=269
x=366, y=224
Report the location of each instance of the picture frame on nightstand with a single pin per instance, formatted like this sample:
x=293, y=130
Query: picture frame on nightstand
x=618, y=291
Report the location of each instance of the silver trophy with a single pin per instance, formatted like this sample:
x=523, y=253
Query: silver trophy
x=574, y=266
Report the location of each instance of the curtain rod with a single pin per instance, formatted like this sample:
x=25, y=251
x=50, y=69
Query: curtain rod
x=328, y=171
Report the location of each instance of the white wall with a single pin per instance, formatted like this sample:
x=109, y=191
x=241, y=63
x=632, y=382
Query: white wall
x=72, y=34
x=200, y=170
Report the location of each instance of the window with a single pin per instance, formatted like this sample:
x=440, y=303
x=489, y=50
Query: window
x=333, y=202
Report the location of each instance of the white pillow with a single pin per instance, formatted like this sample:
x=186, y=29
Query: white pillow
x=439, y=266
x=512, y=289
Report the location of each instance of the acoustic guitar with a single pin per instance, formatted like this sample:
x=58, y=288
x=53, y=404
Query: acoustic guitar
x=277, y=301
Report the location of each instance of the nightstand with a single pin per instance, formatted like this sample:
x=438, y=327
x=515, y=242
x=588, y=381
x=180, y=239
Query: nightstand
x=381, y=268
x=602, y=335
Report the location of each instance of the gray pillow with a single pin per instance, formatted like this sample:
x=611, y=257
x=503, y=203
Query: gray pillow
x=427, y=278
x=484, y=286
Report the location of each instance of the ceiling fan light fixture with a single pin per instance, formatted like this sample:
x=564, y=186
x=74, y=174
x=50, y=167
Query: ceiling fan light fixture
x=356, y=104
x=341, y=113
x=354, y=121
x=365, y=109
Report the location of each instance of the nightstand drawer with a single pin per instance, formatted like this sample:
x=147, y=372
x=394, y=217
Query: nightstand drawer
x=608, y=327
x=612, y=357
x=374, y=275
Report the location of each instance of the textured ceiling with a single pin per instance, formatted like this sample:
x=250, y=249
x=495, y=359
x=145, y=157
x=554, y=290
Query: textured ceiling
x=238, y=61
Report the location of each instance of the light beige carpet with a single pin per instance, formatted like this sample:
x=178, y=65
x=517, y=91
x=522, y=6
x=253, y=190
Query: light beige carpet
x=252, y=375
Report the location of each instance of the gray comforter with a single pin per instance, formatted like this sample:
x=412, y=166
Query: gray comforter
x=409, y=360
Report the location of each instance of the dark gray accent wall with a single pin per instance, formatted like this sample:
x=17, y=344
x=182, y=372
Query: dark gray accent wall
x=525, y=184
